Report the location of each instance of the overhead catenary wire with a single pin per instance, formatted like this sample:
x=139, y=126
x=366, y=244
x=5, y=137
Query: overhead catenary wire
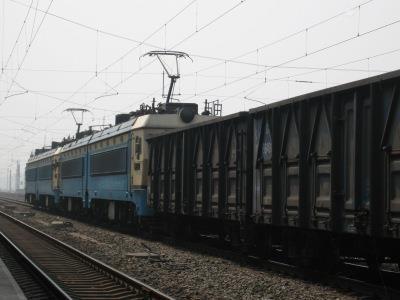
x=199, y=74
x=122, y=56
x=16, y=40
x=28, y=48
x=3, y=35
x=121, y=72
x=115, y=35
x=92, y=28
x=280, y=40
x=287, y=78
x=341, y=64
x=226, y=12
x=308, y=55
x=19, y=35
x=88, y=27
x=116, y=61
x=34, y=21
x=40, y=93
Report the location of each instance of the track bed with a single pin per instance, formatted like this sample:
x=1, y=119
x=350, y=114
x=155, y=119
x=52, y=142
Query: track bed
x=78, y=275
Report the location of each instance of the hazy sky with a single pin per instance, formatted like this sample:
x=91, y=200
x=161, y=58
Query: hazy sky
x=258, y=50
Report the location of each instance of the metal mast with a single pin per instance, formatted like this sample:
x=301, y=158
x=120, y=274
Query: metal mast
x=17, y=176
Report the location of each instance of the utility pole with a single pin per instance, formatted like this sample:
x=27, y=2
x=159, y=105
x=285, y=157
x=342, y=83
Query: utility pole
x=6, y=180
x=17, y=177
x=9, y=180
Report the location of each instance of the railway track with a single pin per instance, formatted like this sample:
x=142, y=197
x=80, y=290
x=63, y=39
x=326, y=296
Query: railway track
x=356, y=278
x=67, y=272
x=349, y=276
x=34, y=283
x=14, y=201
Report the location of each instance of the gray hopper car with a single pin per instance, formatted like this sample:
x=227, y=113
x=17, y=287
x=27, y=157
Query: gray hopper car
x=318, y=174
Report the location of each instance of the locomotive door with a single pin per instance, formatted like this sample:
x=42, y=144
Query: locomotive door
x=56, y=175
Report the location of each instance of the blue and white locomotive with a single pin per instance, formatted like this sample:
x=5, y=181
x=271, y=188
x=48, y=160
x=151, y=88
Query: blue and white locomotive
x=104, y=173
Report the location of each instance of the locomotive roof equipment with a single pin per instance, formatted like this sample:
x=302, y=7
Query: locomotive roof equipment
x=82, y=111
x=172, y=75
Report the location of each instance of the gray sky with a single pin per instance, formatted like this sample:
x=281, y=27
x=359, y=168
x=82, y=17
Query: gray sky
x=259, y=50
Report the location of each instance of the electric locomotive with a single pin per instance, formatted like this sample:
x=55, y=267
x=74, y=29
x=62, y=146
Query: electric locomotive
x=105, y=173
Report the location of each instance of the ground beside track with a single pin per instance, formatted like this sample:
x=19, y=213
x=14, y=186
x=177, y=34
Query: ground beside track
x=179, y=272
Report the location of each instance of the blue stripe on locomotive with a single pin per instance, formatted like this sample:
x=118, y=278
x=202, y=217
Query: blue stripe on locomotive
x=116, y=186
x=44, y=187
x=74, y=186
x=43, y=177
x=31, y=185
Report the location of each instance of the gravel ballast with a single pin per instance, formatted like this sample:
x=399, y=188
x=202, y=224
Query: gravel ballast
x=178, y=272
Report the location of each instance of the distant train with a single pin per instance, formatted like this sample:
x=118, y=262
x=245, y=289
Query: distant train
x=317, y=175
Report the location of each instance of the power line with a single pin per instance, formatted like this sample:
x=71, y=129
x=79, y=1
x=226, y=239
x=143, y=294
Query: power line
x=280, y=39
x=28, y=48
x=123, y=56
x=180, y=42
x=305, y=55
x=285, y=78
x=3, y=35
x=88, y=27
x=342, y=64
x=19, y=35
x=209, y=23
x=127, y=78
x=191, y=74
x=40, y=93
x=116, y=61
x=273, y=66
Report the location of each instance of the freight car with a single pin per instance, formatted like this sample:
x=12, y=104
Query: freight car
x=199, y=176
x=104, y=173
x=316, y=176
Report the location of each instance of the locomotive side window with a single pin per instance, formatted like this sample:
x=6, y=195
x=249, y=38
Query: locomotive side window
x=110, y=162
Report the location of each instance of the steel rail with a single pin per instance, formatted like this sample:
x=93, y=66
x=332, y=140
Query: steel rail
x=10, y=200
x=52, y=287
x=355, y=282
x=110, y=281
